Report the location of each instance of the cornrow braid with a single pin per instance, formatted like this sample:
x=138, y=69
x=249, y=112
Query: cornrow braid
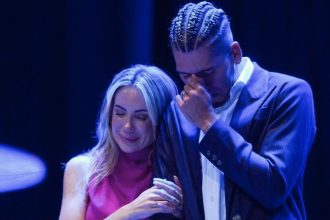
x=196, y=24
x=178, y=29
x=211, y=26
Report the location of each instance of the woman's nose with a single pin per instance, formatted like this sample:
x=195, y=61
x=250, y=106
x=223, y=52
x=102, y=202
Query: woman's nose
x=129, y=125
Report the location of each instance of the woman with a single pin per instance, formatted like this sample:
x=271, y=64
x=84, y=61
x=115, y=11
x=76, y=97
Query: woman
x=113, y=180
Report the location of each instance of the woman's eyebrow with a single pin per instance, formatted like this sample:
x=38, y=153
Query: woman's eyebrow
x=137, y=111
x=118, y=106
x=141, y=110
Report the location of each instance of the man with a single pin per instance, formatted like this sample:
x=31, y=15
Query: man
x=238, y=136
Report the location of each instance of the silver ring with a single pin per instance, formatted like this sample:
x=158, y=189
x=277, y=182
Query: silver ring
x=183, y=93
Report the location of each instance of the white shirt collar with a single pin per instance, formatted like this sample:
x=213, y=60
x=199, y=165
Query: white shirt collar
x=244, y=71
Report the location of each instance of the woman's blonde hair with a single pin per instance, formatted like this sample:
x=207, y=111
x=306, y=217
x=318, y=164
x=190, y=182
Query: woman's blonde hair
x=157, y=89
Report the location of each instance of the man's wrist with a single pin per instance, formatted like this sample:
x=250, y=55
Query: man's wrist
x=208, y=123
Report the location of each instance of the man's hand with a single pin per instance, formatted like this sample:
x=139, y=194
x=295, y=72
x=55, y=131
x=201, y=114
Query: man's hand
x=196, y=104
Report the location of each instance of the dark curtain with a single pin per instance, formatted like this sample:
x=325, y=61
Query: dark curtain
x=58, y=57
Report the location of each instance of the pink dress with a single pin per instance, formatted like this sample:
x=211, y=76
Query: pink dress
x=131, y=176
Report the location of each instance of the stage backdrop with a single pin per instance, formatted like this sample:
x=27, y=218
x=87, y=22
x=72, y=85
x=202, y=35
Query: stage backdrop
x=58, y=57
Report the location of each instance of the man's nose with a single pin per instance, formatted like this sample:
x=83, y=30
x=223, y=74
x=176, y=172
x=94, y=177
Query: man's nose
x=197, y=78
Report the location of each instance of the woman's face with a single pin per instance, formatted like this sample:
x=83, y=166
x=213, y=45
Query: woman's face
x=131, y=125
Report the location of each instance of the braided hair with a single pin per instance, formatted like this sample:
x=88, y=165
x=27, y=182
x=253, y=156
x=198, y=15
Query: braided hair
x=196, y=24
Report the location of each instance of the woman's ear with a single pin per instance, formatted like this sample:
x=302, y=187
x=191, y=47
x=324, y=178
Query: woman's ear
x=236, y=52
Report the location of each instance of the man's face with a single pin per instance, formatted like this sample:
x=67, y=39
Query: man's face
x=213, y=71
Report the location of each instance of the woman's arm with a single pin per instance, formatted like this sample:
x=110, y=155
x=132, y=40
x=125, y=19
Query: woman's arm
x=74, y=189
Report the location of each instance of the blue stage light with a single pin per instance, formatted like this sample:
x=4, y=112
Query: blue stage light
x=19, y=169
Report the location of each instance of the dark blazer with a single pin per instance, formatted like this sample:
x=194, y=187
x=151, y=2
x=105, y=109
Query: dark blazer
x=262, y=153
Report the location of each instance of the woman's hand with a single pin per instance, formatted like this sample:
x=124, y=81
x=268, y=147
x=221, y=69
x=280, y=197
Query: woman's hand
x=163, y=197
x=175, y=191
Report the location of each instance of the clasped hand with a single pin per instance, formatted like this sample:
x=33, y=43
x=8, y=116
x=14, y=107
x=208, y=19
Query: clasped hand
x=164, y=197
x=196, y=104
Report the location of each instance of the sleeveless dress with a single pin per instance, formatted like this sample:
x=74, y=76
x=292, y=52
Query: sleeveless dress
x=131, y=176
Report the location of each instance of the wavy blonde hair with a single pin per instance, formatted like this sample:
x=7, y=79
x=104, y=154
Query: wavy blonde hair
x=157, y=89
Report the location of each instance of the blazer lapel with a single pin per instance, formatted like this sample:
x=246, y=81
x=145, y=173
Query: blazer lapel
x=248, y=102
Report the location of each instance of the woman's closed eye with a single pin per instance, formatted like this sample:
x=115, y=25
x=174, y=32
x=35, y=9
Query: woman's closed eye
x=142, y=117
x=120, y=113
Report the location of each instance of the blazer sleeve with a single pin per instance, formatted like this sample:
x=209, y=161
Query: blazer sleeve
x=269, y=175
x=164, y=162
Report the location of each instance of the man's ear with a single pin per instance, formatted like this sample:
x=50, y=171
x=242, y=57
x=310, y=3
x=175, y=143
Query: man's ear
x=236, y=52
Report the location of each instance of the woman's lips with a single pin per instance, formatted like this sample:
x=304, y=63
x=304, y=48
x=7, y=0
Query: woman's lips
x=129, y=139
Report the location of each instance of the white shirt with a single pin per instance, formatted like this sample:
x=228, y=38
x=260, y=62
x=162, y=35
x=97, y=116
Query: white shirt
x=213, y=186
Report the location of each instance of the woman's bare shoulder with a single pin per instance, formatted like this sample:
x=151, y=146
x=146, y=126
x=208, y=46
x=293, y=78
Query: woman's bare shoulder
x=79, y=162
x=77, y=169
x=74, y=188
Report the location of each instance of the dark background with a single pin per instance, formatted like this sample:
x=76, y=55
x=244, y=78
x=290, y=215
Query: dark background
x=57, y=58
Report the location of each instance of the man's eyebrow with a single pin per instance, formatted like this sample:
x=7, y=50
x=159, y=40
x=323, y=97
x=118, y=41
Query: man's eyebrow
x=204, y=70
